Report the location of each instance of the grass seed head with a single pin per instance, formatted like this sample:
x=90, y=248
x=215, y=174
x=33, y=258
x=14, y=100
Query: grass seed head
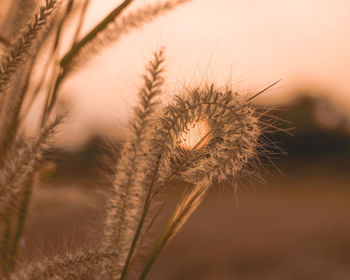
x=208, y=134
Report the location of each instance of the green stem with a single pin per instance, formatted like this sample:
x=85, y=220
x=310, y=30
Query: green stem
x=75, y=50
x=93, y=33
x=145, y=232
x=137, y=234
x=161, y=242
x=152, y=258
x=148, y=200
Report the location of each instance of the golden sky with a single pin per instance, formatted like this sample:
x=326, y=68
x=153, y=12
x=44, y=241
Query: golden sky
x=250, y=43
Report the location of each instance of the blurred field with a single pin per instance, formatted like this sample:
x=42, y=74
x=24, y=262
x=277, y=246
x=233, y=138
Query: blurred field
x=293, y=227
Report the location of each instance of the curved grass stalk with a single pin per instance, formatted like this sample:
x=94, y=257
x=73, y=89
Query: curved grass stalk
x=116, y=29
x=93, y=33
x=75, y=49
x=187, y=205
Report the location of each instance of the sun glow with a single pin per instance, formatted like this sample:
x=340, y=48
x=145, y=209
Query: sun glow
x=196, y=136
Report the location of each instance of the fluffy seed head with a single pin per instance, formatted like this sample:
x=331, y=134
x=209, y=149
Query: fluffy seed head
x=208, y=134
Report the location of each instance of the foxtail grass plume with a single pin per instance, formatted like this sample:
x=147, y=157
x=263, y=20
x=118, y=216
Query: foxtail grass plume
x=16, y=182
x=22, y=47
x=23, y=163
x=207, y=134
x=16, y=69
x=126, y=204
x=204, y=137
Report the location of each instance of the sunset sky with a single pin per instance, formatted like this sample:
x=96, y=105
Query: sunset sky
x=248, y=43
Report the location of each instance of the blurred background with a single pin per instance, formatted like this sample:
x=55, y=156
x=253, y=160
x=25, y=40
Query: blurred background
x=295, y=225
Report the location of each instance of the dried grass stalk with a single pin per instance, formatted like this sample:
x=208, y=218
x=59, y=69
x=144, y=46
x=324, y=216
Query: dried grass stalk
x=16, y=70
x=22, y=164
x=16, y=180
x=186, y=206
x=116, y=29
x=220, y=153
x=21, y=48
x=126, y=205
x=153, y=155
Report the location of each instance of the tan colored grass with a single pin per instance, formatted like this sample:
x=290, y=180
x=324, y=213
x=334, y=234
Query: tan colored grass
x=155, y=152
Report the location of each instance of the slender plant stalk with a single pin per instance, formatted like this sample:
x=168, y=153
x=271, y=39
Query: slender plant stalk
x=142, y=238
x=15, y=192
x=134, y=20
x=119, y=27
x=184, y=209
x=12, y=111
x=149, y=198
x=53, y=56
x=93, y=33
x=81, y=21
x=75, y=50
x=20, y=224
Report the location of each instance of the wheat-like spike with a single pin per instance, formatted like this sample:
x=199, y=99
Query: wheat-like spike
x=125, y=207
x=16, y=71
x=15, y=191
x=21, y=48
x=22, y=164
x=80, y=265
x=16, y=19
x=118, y=28
x=20, y=14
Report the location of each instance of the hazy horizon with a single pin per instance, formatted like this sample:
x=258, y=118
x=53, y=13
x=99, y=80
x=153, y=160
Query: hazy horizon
x=247, y=43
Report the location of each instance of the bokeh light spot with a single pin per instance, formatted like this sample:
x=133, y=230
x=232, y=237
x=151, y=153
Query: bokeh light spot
x=195, y=136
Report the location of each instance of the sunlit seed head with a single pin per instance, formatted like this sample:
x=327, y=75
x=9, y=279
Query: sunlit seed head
x=195, y=136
